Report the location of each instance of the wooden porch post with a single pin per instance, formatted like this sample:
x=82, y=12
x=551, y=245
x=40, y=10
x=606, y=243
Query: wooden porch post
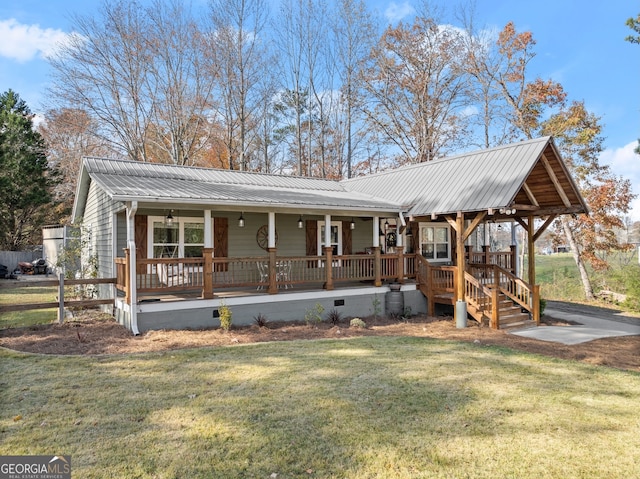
x=207, y=271
x=401, y=266
x=486, y=249
x=531, y=276
x=431, y=300
x=273, y=284
x=514, y=257
x=460, y=256
x=127, y=281
x=377, y=269
x=328, y=268
x=536, y=303
x=495, y=309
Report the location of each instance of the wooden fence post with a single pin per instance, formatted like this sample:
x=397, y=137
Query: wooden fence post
x=61, y=297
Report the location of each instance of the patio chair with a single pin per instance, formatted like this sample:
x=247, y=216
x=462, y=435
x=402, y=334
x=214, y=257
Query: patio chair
x=284, y=273
x=263, y=271
x=172, y=275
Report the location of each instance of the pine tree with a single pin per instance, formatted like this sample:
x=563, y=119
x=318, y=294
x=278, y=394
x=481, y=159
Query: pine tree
x=25, y=177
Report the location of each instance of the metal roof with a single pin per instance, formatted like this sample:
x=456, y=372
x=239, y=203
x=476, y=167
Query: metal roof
x=152, y=182
x=467, y=182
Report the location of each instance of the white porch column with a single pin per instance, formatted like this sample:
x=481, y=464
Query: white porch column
x=376, y=231
x=272, y=230
x=399, y=236
x=132, y=208
x=327, y=230
x=208, y=230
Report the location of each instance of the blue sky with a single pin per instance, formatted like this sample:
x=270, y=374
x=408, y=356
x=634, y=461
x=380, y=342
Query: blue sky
x=580, y=46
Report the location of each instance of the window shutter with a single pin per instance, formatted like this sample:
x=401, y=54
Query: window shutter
x=346, y=238
x=140, y=232
x=221, y=242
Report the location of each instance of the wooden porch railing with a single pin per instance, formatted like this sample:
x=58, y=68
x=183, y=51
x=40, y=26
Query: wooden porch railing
x=505, y=259
x=270, y=273
x=484, y=283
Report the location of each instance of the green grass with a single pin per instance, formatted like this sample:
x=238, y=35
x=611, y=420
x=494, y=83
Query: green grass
x=25, y=295
x=357, y=408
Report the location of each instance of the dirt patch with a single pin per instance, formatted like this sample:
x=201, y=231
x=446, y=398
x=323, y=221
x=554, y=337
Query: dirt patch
x=93, y=333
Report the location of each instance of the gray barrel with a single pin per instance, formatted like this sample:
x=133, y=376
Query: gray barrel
x=394, y=303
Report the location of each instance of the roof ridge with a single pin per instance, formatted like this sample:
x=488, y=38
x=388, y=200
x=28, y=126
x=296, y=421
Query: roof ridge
x=206, y=168
x=448, y=158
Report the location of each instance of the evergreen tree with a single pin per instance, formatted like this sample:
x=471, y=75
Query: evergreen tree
x=25, y=178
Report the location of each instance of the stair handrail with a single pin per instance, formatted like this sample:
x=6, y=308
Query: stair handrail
x=474, y=291
x=516, y=289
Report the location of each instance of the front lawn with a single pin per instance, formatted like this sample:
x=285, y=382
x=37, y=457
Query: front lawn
x=26, y=295
x=370, y=407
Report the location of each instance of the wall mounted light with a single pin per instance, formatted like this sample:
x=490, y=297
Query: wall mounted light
x=169, y=219
x=241, y=221
x=300, y=223
x=352, y=225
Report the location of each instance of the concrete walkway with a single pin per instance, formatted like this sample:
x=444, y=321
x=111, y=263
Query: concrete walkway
x=594, y=323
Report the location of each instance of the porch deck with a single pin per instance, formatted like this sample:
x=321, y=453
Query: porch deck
x=288, y=285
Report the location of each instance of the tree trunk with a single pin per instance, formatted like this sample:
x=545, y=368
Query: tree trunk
x=584, y=276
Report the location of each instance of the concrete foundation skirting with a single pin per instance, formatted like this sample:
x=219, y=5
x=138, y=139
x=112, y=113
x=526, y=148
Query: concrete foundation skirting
x=291, y=306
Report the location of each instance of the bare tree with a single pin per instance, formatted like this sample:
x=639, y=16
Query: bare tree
x=240, y=53
x=291, y=35
x=69, y=135
x=137, y=71
x=417, y=86
x=178, y=83
x=354, y=37
x=102, y=70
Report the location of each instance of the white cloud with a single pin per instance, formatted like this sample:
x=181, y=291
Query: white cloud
x=624, y=162
x=395, y=12
x=24, y=42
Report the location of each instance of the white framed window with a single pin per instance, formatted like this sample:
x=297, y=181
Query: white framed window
x=435, y=241
x=336, y=237
x=184, y=238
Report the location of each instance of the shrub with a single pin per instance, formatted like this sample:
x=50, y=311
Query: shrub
x=334, y=317
x=261, y=320
x=376, y=307
x=357, y=323
x=226, y=316
x=314, y=315
x=543, y=305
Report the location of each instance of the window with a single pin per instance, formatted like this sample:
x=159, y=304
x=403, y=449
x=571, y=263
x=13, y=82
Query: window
x=182, y=239
x=166, y=239
x=336, y=237
x=435, y=242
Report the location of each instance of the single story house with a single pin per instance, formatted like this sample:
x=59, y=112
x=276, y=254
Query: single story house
x=183, y=240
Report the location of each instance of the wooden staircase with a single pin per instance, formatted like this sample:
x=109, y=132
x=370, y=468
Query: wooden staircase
x=493, y=294
x=510, y=314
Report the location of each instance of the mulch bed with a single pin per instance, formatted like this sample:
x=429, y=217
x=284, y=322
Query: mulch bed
x=93, y=333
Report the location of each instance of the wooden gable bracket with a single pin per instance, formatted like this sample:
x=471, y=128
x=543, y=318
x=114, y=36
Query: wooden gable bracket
x=530, y=194
x=472, y=226
x=536, y=234
x=556, y=183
